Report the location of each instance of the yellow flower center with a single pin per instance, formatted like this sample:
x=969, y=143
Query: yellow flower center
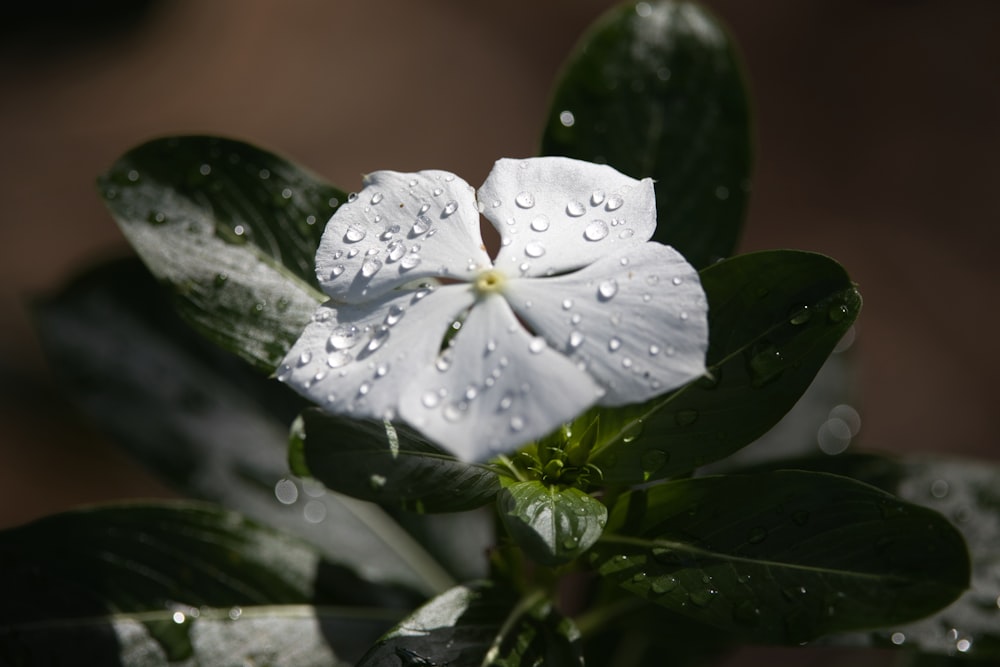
x=490, y=281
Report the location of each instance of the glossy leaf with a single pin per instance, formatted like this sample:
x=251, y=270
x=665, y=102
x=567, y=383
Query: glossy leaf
x=232, y=230
x=207, y=423
x=784, y=556
x=386, y=465
x=967, y=493
x=141, y=559
x=774, y=317
x=480, y=624
x=553, y=525
x=655, y=89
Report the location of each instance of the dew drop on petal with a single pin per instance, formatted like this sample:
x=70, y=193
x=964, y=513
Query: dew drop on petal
x=449, y=208
x=596, y=230
x=615, y=344
x=567, y=304
x=597, y=197
x=575, y=339
x=364, y=388
x=354, y=234
x=305, y=358
x=353, y=252
x=536, y=345
x=338, y=358
x=394, y=315
x=676, y=280
x=540, y=224
x=376, y=198
x=575, y=319
x=534, y=249
x=525, y=199
x=437, y=192
x=429, y=399
x=379, y=336
x=614, y=203
x=654, y=350
x=420, y=225
x=455, y=411
x=411, y=261
x=424, y=208
x=607, y=289
x=516, y=423
x=396, y=251
x=506, y=402
x=575, y=209
x=370, y=267
x=344, y=337
x=626, y=234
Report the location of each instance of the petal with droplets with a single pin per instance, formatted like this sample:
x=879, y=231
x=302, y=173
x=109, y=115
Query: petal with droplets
x=638, y=320
x=556, y=214
x=357, y=359
x=400, y=228
x=503, y=387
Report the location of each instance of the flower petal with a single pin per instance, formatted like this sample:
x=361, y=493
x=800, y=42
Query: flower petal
x=555, y=214
x=500, y=387
x=400, y=228
x=357, y=360
x=637, y=319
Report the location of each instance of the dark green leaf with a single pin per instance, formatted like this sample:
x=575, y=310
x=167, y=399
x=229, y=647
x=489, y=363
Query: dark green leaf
x=206, y=422
x=655, y=89
x=232, y=230
x=386, y=465
x=142, y=559
x=553, y=525
x=784, y=556
x=480, y=624
x=968, y=493
x=774, y=317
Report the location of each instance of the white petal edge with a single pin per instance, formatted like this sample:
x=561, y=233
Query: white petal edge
x=357, y=359
x=503, y=387
x=556, y=214
x=400, y=228
x=638, y=320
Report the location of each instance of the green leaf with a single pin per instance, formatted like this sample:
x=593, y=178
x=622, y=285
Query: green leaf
x=480, y=624
x=553, y=525
x=774, y=317
x=968, y=493
x=784, y=556
x=281, y=636
x=232, y=230
x=207, y=423
x=387, y=465
x=655, y=89
x=142, y=559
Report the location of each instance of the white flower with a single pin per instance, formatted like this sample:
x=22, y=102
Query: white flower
x=577, y=308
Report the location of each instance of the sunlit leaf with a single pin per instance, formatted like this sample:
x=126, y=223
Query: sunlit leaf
x=232, y=230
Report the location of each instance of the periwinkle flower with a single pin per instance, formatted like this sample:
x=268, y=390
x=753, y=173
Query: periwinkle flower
x=483, y=355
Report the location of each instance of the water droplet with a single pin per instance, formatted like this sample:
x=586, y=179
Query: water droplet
x=534, y=249
x=455, y=411
x=540, y=224
x=575, y=209
x=566, y=118
x=376, y=198
x=654, y=350
x=525, y=199
x=516, y=423
x=570, y=543
x=364, y=388
x=575, y=339
x=766, y=364
x=703, y=597
x=344, y=337
x=627, y=362
x=506, y=402
x=898, y=638
x=596, y=230
x=379, y=336
x=800, y=316
x=337, y=270
x=615, y=344
x=536, y=345
x=607, y=289
x=370, y=267
x=420, y=225
x=423, y=209
x=746, y=613
x=352, y=197
x=837, y=313
x=376, y=482
x=396, y=251
x=663, y=584
x=394, y=315
x=757, y=535
x=381, y=370
x=429, y=399
x=305, y=358
x=597, y=197
x=354, y=234
x=963, y=645
x=652, y=460
x=614, y=203
x=409, y=262
x=338, y=358
x=677, y=280
x=235, y=613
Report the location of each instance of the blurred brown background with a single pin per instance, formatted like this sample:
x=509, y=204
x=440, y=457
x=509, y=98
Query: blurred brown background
x=877, y=143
